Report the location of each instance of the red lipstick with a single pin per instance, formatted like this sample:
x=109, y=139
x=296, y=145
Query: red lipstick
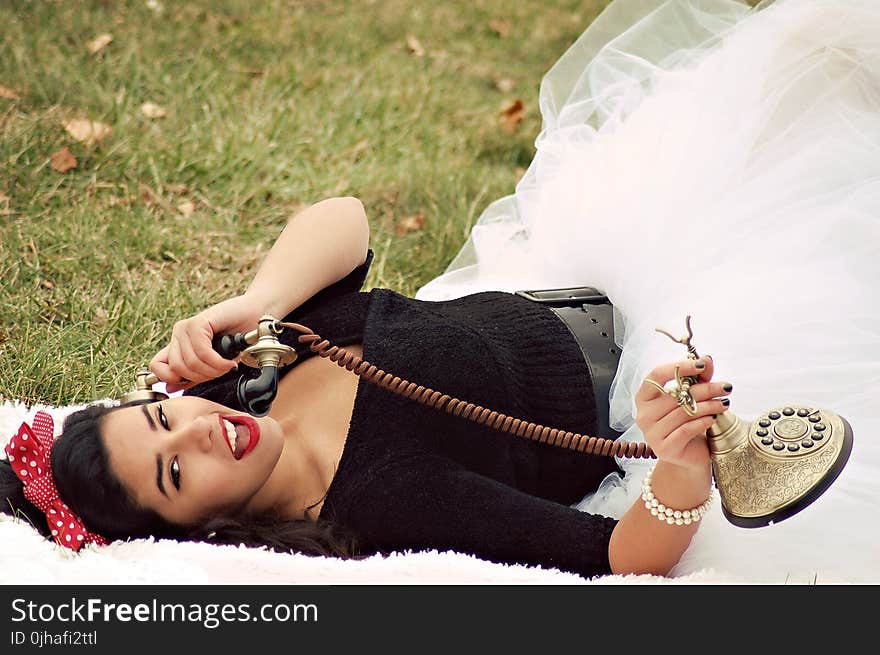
x=253, y=432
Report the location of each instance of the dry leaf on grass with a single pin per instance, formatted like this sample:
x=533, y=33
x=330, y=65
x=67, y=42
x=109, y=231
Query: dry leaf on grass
x=9, y=94
x=186, y=208
x=504, y=84
x=152, y=110
x=86, y=131
x=415, y=46
x=500, y=27
x=409, y=224
x=63, y=160
x=46, y=284
x=512, y=115
x=99, y=43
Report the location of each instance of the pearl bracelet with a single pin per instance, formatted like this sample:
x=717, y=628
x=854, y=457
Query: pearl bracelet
x=668, y=514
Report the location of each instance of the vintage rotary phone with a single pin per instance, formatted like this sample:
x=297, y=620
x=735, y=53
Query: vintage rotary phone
x=765, y=471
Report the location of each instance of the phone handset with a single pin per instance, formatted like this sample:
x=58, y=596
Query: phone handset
x=261, y=350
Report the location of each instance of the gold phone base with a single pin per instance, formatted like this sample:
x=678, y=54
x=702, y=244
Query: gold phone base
x=777, y=465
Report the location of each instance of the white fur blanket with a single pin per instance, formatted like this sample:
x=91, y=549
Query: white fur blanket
x=28, y=558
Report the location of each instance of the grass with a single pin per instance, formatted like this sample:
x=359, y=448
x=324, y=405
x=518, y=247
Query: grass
x=270, y=106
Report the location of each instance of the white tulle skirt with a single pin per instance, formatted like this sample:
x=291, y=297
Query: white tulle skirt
x=699, y=157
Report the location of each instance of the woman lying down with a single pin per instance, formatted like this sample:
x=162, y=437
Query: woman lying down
x=696, y=158
x=345, y=468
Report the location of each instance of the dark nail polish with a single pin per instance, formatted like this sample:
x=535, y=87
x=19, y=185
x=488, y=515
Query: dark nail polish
x=728, y=387
x=700, y=365
x=726, y=402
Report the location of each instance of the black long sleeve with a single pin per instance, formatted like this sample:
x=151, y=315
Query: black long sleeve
x=429, y=502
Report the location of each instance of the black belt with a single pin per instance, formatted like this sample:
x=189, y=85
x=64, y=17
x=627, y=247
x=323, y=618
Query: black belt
x=588, y=314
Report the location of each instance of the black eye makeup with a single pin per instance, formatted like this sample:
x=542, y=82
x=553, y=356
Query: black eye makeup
x=174, y=465
x=174, y=473
x=163, y=420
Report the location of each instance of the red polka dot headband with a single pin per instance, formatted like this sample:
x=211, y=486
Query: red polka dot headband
x=28, y=453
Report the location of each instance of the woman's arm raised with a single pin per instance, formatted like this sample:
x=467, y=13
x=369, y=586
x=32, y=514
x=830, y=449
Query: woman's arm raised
x=317, y=247
x=682, y=478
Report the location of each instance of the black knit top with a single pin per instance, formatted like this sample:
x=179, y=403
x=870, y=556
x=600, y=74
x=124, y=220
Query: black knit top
x=415, y=478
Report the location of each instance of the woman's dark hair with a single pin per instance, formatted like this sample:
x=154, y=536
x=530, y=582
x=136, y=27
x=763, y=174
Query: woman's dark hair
x=81, y=468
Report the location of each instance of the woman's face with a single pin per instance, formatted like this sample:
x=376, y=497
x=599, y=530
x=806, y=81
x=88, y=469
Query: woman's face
x=176, y=456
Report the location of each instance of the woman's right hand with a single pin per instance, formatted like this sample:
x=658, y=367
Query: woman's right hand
x=189, y=359
x=674, y=435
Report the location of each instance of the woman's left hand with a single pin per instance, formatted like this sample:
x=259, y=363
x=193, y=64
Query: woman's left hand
x=673, y=435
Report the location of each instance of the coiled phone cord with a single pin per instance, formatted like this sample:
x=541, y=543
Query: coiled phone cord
x=480, y=415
